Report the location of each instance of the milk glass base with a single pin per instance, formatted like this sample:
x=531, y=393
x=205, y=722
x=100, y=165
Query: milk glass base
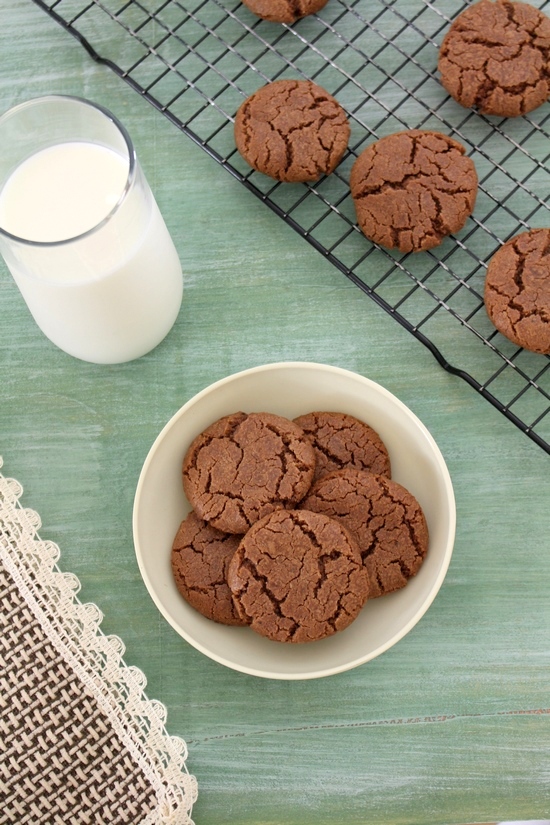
x=111, y=293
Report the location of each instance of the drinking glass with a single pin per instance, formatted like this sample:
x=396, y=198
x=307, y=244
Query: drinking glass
x=81, y=233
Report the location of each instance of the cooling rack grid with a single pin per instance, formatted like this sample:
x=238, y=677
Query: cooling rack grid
x=196, y=60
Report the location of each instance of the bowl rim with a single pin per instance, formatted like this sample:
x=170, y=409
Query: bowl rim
x=436, y=583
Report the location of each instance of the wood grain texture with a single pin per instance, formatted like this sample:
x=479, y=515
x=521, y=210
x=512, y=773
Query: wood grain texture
x=453, y=723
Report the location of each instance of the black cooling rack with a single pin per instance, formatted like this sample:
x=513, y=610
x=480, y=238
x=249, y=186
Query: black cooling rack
x=196, y=60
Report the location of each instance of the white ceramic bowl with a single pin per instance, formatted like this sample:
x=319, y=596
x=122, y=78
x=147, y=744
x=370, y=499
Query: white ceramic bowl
x=291, y=389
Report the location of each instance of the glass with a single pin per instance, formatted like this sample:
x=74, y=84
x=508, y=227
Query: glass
x=81, y=233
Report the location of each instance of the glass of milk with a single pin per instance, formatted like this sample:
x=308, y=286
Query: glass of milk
x=81, y=233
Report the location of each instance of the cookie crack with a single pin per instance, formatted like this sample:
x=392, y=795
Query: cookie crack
x=295, y=8
x=487, y=85
x=416, y=174
x=423, y=179
x=296, y=462
x=322, y=561
x=330, y=456
x=545, y=251
x=252, y=569
x=352, y=446
x=514, y=301
x=307, y=531
x=407, y=522
x=246, y=116
x=318, y=164
x=196, y=588
x=338, y=612
x=223, y=502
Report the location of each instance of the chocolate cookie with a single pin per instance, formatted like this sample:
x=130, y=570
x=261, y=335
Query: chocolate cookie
x=244, y=466
x=517, y=290
x=413, y=188
x=297, y=577
x=292, y=130
x=384, y=518
x=200, y=558
x=496, y=57
x=341, y=440
x=284, y=11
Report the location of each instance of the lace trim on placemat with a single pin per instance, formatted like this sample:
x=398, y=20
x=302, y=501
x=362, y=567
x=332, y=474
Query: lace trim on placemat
x=73, y=629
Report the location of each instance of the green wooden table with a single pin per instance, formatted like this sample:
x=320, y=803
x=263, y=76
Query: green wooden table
x=452, y=724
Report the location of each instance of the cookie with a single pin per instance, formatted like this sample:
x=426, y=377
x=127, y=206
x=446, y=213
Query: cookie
x=292, y=130
x=341, y=440
x=384, y=518
x=517, y=290
x=200, y=558
x=496, y=58
x=412, y=188
x=284, y=11
x=297, y=577
x=244, y=466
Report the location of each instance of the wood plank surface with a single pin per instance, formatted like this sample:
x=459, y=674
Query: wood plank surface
x=453, y=723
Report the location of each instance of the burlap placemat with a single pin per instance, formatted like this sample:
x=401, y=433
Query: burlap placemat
x=80, y=742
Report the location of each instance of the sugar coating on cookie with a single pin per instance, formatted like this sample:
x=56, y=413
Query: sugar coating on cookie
x=517, y=290
x=385, y=519
x=292, y=130
x=200, y=557
x=298, y=577
x=412, y=188
x=496, y=57
x=244, y=466
x=284, y=11
x=341, y=440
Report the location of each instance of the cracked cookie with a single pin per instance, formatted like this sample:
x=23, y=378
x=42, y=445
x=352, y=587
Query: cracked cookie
x=341, y=440
x=199, y=559
x=297, y=577
x=412, y=188
x=385, y=519
x=244, y=466
x=517, y=290
x=292, y=130
x=496, y=57
x=284, y=11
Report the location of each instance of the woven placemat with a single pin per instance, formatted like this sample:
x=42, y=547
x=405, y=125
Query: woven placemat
x=80, y=742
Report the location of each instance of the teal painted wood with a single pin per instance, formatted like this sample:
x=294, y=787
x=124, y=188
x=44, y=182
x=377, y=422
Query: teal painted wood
x=452, y=724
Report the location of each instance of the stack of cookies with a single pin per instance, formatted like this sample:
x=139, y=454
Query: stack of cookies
x=295, y=524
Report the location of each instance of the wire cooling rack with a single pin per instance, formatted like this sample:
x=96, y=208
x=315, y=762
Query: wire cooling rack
x=196, y=60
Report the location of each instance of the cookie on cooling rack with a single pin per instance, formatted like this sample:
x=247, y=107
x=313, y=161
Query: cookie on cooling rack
x=517, y=290
x=292, y=130
x=412, y=188
x=284, y=11
x=496, y=57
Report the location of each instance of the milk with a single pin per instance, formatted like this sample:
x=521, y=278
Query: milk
x=94, y=262
x=62, y=191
